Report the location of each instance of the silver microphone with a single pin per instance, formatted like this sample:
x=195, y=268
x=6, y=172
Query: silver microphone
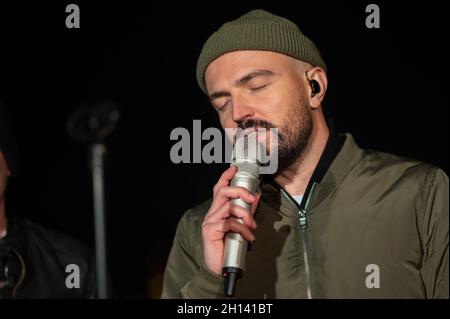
x=246, y=155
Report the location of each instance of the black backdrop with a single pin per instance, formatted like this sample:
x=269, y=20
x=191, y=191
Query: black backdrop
x=387, y=86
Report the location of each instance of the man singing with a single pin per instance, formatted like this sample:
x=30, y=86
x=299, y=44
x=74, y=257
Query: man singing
x=335, y=220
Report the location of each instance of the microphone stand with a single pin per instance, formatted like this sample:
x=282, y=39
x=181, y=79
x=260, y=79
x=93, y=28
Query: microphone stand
x=92, y=125
x=97, y=158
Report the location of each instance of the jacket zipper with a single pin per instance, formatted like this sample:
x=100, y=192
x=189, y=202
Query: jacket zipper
x=303, y=219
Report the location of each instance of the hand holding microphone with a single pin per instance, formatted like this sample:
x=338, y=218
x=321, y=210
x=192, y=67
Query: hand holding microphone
x=233, y=196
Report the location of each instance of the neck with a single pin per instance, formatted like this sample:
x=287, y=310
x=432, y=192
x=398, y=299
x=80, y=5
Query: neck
x=3, y=221
x=296, y=177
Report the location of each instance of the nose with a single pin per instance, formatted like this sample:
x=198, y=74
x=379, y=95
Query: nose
x=241, y=109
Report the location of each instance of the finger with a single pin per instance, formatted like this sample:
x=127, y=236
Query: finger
x=225, y=179
x=255, y=203
x=217, y=230
x=225, y=193
x=232, y=225
x=232, y=210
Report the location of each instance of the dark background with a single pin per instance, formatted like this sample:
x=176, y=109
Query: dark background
x=387, y=86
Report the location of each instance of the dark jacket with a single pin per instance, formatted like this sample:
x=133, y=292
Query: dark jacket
x=36, y=261
x=371, y=225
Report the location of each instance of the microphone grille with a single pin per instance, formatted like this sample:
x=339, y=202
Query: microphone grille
x=247, y=154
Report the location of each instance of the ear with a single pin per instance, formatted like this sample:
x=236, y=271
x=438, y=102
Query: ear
x=318, y=74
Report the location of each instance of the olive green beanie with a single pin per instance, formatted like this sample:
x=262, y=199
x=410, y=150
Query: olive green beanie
x=258, y=30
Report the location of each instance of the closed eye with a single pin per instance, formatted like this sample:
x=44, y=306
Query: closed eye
x=221, y=108
x=258, y=88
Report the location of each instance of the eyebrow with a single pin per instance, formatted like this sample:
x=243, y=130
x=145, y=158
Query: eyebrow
x=243, y=80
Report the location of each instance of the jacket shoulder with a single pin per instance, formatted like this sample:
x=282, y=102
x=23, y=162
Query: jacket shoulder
x=396, y=168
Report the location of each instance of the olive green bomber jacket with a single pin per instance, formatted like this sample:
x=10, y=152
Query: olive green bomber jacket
x=376, y=226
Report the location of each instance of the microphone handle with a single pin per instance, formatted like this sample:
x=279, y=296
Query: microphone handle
x=235, y=245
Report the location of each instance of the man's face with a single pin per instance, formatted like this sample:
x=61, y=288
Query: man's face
x=4, y=174
x=263, y=89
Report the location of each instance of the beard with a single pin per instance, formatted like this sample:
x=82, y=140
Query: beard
x=293, y=135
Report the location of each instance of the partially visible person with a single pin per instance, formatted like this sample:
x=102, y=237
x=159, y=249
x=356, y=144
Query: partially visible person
x=34, y=259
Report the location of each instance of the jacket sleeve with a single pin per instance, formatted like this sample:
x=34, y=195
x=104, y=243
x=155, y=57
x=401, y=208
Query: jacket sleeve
x=434, y=232
x=186, y=275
